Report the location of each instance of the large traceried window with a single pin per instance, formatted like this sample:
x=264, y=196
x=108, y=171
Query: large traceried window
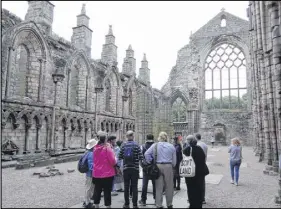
x=179, y=110
x=225, y=78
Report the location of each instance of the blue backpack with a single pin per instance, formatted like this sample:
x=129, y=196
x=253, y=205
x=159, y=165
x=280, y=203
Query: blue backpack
x=129, y=158
x=83, y=163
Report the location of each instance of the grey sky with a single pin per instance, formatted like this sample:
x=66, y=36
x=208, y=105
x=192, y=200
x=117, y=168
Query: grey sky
x=158, y=29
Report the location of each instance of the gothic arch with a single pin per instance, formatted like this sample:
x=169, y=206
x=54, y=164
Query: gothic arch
x=28, y=36
x=178, y=94
x=216, y=42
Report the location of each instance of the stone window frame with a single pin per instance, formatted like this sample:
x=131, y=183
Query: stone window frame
x=206, y=66
x=181, y=104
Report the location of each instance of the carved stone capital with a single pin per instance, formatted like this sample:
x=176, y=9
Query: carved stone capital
x=16, y=125
x=28, y=125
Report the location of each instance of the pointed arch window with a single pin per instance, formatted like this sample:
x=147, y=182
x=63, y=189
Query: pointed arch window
x=225, y=78
x=179, y=110
x=107, y=95
x=19, y=76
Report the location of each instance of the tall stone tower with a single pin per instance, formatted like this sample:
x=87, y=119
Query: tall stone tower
x=144, y=73
x=129, y=65
x=109, y=49
x=42, y=13
x=82, y=34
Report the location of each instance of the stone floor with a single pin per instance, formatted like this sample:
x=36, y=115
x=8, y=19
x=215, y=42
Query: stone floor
x=21, y=189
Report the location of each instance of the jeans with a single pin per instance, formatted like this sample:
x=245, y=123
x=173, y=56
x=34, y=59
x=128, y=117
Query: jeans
x=145, y=181
x=131, y=177
x=234, y=169
x=104, y=184
x=194, y=191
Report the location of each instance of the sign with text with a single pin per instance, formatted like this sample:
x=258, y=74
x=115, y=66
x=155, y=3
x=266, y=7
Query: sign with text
x=187, y=167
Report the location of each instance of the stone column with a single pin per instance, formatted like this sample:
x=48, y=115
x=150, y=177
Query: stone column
x=39, y=97
x=8, y=72
x=26, y=140
x=38, y=144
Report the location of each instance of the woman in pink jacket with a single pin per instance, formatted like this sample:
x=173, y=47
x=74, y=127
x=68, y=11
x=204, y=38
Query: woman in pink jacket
x=104, y=172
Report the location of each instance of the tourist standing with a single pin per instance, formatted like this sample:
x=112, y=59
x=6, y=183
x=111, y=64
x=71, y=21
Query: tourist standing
x=166, y=161
x=205, y=149
x=131, y=155
x=104, y=170
x=213, y=141
x=235, y=151
x=195, y=184
x=89, y=186
x=145, y=178
x=177, y=178
x=112, y=141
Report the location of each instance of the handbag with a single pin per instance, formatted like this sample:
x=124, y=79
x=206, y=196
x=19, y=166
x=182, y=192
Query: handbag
x=187, y=166
x=153, y=170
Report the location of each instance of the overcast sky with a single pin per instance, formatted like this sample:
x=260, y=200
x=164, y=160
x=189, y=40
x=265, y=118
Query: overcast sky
x=158, y=29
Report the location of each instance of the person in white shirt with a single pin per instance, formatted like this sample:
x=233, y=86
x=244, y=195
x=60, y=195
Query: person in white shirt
x=205, y=149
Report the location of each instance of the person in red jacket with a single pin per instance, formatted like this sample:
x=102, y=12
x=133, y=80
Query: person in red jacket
x=104, y=172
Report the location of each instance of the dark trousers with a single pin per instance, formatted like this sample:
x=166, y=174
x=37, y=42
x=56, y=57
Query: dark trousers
x=131, y=177
x=145, y=181
x=104, y=184
x=203, y=190
x=177, y=178
x=194, y=191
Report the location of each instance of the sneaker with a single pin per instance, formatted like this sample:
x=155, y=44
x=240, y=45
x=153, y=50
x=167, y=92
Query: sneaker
x=236, y=184
x=126, y=206
x=232, y=182
x=142, y=203
x=114, y=193
x=90, y=205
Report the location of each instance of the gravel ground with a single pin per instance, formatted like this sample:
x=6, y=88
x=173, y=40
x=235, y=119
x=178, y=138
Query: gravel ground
x=21, y=189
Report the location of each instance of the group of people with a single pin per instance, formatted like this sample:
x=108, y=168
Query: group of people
x=115, y=166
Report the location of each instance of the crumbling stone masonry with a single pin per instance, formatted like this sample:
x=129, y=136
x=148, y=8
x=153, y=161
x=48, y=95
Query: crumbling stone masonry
x=265, y=52
x=55, y=97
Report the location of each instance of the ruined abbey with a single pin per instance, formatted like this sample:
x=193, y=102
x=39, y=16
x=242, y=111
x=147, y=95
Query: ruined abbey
x=225, y=83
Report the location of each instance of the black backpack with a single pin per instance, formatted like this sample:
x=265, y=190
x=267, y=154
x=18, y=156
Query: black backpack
x=129, y=158
x=152, y=170
x=83, y=163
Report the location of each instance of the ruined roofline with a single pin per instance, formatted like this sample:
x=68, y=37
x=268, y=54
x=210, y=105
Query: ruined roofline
x=218, y=15
x=7, y=12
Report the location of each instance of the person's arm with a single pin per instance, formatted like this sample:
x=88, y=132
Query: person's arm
x=140, y=154
x=149, y=154
x=111, y=156
x=174, y=157
x=229, y=149
x=90, y=160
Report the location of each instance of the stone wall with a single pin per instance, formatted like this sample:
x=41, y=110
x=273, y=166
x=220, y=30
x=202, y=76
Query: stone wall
x=53, y=94
x=231, y=124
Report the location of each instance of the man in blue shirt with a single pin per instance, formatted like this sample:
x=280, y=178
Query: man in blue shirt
x=89, y=186
x=166, y=161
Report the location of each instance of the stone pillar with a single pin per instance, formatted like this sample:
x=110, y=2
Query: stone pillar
x=39, y=97
x=8, y=72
